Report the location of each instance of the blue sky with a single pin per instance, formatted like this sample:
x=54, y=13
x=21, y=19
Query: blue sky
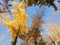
x=50, y=16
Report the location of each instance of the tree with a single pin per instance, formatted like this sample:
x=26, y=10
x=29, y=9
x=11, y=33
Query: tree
x=18, y=26
x=40, y=3
x=35, y=29
x=5, y=6
x=53, y=33
x=42, y=42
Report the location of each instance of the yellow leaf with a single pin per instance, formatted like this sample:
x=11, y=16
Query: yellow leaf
x=11, y=32
x=13, y=11
x=8, y=18
x=12, y=39
x=24, y=17
x=23, y=27
x=9, y=23
x=14, y=3
x=22, y=10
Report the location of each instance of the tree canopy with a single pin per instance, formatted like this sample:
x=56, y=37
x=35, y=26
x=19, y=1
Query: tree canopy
x=40, y=3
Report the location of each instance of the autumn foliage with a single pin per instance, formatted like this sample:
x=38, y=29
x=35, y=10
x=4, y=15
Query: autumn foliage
x=30, y=34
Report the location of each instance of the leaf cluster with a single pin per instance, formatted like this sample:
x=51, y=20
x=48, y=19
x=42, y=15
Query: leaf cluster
x=40, y=3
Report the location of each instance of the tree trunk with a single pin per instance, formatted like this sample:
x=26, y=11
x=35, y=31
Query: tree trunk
x=15, y=40
x=54, y=43
x=35, y=42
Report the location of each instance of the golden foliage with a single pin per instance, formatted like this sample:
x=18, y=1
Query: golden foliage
x=54, y=33
x=14, y=3
x=19, y=21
